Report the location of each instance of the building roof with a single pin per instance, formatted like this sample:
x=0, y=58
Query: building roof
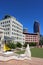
x=8, y=16
x=31, y=33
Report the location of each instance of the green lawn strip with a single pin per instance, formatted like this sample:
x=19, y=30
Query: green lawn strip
x=20, y=52
x=37, y=52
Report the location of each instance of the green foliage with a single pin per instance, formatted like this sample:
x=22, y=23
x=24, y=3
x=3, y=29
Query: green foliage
x=41, y=42
x=11, y=45
x=32, y=44
x=18, y=44
x=20, y=52
x=25, y=45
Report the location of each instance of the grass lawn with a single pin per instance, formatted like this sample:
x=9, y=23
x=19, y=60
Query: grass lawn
x=35, y=52
x=20, y=52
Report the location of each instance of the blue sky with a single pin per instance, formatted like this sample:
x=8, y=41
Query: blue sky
x=26, y=11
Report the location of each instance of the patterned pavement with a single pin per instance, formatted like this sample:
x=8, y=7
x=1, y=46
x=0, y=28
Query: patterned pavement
x=33, y=61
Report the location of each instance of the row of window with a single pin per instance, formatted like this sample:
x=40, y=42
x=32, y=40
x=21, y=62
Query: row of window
x=7, y=29
x=16, y=30
x=16, y=34
x=31, y=40
x=17, y=24
x=16, y=27
x=6, y=32
x=19, y=28
x=30, y=36
x=18, y=38
x=5, y=22
x=19, y=35
x=6, y=25
x=13, y=29
x=19, y=31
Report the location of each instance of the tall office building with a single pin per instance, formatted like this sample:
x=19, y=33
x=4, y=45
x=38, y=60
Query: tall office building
x=25, y=30
x=12, y=28
x=36, y=27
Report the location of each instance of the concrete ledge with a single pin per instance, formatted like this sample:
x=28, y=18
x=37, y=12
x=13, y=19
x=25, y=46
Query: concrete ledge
x=2, y=58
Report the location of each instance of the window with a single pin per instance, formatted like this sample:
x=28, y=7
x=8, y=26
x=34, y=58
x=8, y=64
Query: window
x=12, y=32
x=8, y=32
x=17, y=30
x=9, y=21
x=5, y=21
x=8, y=28
x=12, y=28
x=1, y=23
x=13, y=21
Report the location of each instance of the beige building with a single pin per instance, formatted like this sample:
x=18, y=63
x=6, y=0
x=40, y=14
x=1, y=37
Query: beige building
x=31, y=37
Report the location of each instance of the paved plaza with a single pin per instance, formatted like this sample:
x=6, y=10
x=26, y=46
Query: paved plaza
x=34, y=61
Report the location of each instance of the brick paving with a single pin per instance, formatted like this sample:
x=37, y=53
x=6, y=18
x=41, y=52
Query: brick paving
x=34, y=61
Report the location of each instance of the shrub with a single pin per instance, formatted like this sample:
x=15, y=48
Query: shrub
x=25, y=45
x=11, y=45
x=18, y=44
x=32, y=44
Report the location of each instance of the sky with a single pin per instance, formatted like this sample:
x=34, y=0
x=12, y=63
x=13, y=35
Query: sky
x=25, y=11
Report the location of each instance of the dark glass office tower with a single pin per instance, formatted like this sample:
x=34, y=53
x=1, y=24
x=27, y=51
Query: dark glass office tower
x=25, y=30
x=36, y=27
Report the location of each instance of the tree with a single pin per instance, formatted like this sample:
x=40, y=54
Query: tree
x=18, y=44
x=41, y=43
x=11, y=45
x=32, y=44
x=41, y=40
x=25, y=45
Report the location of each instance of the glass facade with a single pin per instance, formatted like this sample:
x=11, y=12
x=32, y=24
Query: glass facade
x=36, y=27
